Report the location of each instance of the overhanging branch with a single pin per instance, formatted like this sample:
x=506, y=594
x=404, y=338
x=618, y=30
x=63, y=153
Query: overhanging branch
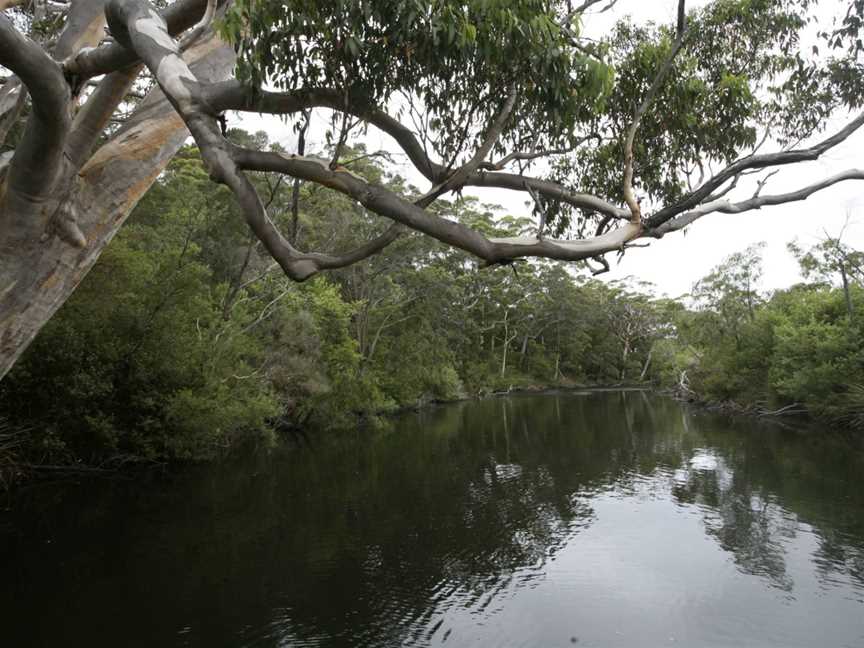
x=233, y=95
x=386, y=203
x=629, y=194
x=753, y=162
x=725, y=206
x=145, y=32
x=459, y=177
x=38, y=156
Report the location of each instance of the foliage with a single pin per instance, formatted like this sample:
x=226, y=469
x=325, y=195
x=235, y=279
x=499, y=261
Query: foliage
x=133, y=364
x=799, y=348
x=462, y=57
x=183, y=341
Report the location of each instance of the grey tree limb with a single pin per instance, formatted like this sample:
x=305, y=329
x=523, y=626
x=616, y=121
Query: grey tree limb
x=753, y=162
x=233, y=95
x=111, y=57
x=726, y=206
x=629, y=194
x=37, y=161
x=144, y=31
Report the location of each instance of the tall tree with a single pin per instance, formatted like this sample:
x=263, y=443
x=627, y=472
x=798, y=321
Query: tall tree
x=830, y=257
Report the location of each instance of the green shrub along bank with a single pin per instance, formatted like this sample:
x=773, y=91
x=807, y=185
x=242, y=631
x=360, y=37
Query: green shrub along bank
x=796, y=350
x=185, y=340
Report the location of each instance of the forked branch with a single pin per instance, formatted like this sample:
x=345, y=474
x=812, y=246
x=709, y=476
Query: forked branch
x=629, y=194
x=37, y=161
x=725, y=206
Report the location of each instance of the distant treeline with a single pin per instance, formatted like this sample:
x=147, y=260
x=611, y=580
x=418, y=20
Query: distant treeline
x=186, y=339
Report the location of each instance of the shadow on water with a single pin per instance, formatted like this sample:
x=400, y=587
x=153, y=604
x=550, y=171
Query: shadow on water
x=492, y=522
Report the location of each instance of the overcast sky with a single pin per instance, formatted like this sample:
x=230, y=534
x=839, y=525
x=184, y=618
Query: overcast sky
x=674, y=263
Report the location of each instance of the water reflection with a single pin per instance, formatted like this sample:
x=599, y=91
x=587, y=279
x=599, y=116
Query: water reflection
x=612, y=519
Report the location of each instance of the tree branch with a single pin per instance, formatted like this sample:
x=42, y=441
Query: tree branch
x=753, y=162
x=145, y=32
x=526, y=156
x=461, y=175
x=590, y=3
x=226, y=163
x=94, y=116
x=233, y=95
x=202, y=26
x=629, y=195
x=84, y=27
x=547, y=189
x=111, y=57
x=387, y=204
x=36, y=164
x=726, y=206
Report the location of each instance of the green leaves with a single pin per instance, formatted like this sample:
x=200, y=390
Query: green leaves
x=460, y=58
x=800, y=345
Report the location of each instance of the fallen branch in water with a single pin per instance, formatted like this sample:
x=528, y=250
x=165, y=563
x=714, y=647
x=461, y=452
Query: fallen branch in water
x=794, y=408
x=71, y=469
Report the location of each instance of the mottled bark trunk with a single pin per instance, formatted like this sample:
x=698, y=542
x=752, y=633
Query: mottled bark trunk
x=647, y=365
x=624, y=355
x=39, y=272
x=846, y=293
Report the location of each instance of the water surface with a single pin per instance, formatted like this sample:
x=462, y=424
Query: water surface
x=593, y=519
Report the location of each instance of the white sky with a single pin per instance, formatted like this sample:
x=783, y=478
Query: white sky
x=674, y=263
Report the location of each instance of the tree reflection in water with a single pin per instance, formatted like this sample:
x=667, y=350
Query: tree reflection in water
x=452, y=521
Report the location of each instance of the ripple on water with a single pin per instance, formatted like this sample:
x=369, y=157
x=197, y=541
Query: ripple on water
x=616, y=519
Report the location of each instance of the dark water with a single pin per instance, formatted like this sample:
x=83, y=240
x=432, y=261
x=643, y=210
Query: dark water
x=611, y=519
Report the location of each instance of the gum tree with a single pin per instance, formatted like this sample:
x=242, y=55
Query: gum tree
x=633, y=136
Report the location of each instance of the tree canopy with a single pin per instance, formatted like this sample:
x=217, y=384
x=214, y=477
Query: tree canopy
x=633, y=135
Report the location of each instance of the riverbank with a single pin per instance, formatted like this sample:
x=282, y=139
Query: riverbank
x=792, y=416
x=19, y=464
x=532, y=389
x=17, y=468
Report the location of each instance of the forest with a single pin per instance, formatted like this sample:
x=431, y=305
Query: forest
x=185, y=340
x=172, y=287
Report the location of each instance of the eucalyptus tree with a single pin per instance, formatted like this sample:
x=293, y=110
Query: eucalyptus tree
x=728, y=295
x=830, y=257
x=633, y=136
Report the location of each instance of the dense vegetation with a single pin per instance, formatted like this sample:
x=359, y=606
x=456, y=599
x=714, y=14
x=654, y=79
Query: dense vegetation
x=798, y=349
x=186, y=340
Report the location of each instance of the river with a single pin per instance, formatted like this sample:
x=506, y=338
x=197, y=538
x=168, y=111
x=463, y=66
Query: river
x=587, y=519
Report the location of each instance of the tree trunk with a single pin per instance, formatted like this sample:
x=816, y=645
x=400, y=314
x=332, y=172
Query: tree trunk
x=39, y=273
x=647, y=364
x=846, y=293
x=624, y=354
x=295, y=192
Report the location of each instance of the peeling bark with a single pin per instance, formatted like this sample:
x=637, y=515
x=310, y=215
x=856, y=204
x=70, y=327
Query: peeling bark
x=39, y=274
